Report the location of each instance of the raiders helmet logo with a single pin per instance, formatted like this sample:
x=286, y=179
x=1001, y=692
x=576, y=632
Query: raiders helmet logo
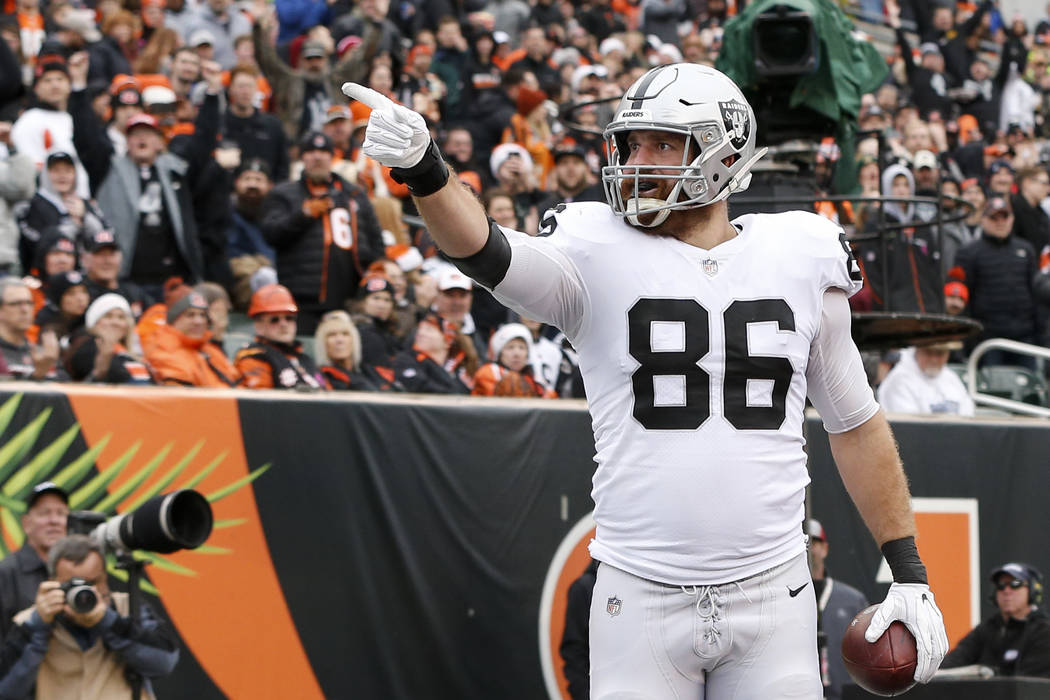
x=737, y=125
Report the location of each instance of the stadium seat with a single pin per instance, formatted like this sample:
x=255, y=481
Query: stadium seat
x=1016, y=383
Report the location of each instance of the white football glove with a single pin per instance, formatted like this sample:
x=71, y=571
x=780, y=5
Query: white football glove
x=913, y=604
x=396, y=136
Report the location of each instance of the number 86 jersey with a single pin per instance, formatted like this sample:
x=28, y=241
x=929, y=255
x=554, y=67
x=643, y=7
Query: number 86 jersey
x=695, y=364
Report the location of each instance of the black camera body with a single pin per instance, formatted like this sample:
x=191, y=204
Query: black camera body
x=81, y=596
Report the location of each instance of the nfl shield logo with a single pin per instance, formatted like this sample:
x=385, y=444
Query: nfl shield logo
x=710, y=267
x=613, y=606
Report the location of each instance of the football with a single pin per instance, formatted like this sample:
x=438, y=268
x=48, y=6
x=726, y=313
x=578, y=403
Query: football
x=885, y=667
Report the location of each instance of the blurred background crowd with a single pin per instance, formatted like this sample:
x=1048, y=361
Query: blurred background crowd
x=183, y=197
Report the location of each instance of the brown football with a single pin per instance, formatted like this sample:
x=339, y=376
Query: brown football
x=885, y=667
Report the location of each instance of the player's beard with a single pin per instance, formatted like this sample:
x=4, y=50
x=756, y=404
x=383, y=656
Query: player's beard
x=678, y=221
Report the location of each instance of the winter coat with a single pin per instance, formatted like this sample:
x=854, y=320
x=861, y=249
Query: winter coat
x=107, y=60
x=907, y=389
x=267, y=364
x=17, y=182
x=259, y=136
x=1010, y=647
x=378, y=344
x=321, y=260
x=999, y=274
x=178, y=359
x=493, y=379
x=422, y=375
x=116, y=181
x=41, y=130
x=45, y=211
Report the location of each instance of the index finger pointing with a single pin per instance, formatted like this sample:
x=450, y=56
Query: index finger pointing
x=368, y=96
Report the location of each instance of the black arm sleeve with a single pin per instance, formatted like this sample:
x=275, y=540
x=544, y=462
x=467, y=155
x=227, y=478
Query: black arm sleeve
x=489, y=265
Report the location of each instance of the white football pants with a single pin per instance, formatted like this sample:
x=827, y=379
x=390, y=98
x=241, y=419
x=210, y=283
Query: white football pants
x=748, y=640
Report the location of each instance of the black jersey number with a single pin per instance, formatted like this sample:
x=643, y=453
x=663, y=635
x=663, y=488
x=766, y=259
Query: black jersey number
x=682, y=362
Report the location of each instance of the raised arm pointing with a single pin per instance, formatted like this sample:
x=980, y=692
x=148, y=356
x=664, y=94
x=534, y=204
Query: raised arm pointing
x=399, y=138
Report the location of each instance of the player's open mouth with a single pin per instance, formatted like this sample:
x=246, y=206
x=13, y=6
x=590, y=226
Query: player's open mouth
x=647, y=185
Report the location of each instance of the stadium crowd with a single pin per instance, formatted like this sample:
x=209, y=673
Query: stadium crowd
x=170, y=166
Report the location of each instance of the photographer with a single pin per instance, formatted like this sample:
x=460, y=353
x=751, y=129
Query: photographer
x=62, y=652
x=22, y=571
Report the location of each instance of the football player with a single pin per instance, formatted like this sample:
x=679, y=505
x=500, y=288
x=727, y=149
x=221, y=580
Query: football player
x=699, y=339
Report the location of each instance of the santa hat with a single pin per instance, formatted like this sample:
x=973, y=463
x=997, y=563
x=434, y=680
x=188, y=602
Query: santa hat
x=407, y=257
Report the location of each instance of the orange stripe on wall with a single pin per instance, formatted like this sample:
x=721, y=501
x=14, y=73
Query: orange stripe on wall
x=944, y=543
x=578, y=561
x=233, y=614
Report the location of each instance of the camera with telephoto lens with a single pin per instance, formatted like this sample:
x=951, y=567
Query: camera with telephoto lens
x=80, y=595
x=163, y=524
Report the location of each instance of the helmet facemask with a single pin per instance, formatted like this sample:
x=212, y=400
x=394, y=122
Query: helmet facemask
x=690, y=186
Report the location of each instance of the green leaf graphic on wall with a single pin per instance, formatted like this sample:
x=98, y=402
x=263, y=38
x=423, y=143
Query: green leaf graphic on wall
x=24, y=463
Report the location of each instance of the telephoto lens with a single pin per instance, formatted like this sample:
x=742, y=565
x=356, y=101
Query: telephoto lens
x=80, y=595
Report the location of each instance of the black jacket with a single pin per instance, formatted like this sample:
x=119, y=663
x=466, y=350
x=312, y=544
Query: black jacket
x=21, y=573
x=421, y=375
x=999, y=274
x=45, y=216
x=288, y=366
x=259, y=136
x=366, y=379
x=913, y=267
x=994, y=641
x=321, y=260
x=107, y=60
x=378, y=344
x=575, y=642
x=124, y=368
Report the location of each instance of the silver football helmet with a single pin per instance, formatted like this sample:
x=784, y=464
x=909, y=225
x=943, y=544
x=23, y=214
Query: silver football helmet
x=710, y=111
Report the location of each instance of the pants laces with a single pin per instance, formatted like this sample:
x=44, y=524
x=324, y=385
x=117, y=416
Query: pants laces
x=709, y=602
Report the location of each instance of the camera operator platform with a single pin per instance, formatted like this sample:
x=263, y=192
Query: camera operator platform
x=804, y=69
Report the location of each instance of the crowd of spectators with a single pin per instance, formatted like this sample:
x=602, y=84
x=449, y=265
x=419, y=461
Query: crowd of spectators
x=169, y=165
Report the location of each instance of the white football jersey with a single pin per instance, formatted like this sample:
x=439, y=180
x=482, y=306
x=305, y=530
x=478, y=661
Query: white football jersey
x=694, y=362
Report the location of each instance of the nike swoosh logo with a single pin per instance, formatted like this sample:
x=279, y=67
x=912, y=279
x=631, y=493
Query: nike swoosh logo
x=796, y=591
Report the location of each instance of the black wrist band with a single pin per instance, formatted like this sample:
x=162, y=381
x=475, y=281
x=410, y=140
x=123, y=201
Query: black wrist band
x=425, y=177
x=904, y=562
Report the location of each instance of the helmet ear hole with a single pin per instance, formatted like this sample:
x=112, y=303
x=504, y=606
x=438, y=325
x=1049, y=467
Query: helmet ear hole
x=714, y=177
